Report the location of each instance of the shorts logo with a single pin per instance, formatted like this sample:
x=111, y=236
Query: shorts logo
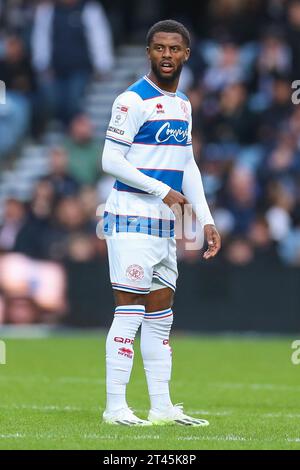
x=134, y=272
x=126, y=352
x=120, y=115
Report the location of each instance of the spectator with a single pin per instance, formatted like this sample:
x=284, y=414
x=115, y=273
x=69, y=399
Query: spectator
x=274, y=59
x=265, y=249
x=277, y=113
x=239, y=252
x=240, y=196
x=241, y=19
x=293, y=35
x=32, y=237
x=71, y=40
x=69, y=220
x=13, y=219
x=16, y=72
x=83, y=151
x=17, y=16
x=63, y=183
x=234, y=122
x=225, y=70
x=289, y=248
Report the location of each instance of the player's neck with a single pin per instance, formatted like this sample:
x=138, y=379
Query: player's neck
x=171, y=87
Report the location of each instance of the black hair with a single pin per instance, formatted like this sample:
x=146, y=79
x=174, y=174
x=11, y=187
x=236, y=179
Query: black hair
x=169, y=26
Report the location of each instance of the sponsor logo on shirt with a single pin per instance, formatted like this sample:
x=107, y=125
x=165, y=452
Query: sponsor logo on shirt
x=115, y=130
x=166, y=132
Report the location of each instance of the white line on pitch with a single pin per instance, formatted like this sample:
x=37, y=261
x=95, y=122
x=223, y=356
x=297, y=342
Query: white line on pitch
x=213, y=438
x=46, y=379
x=116, y=437
x=255, y=386
x=45, y=408
x=95, y=409
x=280, y=415
x=196, y=412
x=50, y=407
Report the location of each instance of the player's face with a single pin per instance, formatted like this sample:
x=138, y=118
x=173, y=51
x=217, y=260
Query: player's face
x=167, y=54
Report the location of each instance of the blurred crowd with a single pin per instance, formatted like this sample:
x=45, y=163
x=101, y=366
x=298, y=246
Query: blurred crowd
x=246, y=138
x=246, y=127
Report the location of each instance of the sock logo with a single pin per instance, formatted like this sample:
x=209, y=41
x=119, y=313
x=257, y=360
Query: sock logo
x=126, y=352
x=119, y=339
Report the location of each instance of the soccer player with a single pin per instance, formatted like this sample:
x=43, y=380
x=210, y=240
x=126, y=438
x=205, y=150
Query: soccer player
x=148, y=150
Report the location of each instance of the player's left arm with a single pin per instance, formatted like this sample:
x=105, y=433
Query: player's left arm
x=192, y=188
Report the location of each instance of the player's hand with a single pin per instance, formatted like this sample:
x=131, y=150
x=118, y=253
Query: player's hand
x=213, y=241
x=175, y=200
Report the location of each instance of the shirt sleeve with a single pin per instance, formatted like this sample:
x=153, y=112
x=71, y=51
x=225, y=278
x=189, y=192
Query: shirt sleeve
x=126, y=118
x=192, y=186
x=114, y=163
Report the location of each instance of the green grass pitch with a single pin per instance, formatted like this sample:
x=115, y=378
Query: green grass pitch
x=52, y=395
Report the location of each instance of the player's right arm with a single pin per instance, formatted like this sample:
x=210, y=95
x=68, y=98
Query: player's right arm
x=126, y=120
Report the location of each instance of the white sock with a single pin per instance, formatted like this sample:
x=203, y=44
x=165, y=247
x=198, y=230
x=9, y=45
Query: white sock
x=119, y=353
x=157, y=356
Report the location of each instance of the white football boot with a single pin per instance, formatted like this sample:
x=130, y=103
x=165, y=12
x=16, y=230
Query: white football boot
x=124, y=416
x=174, y=415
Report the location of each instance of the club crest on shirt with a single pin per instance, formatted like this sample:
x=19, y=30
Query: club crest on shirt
x=135, y=273
x=120, y=114
x=185, y=110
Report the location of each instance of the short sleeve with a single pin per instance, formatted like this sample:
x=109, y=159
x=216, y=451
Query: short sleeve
x=126, y=118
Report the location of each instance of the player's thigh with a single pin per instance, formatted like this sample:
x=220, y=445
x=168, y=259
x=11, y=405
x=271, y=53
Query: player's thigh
x=128, y=298
x=159, y=299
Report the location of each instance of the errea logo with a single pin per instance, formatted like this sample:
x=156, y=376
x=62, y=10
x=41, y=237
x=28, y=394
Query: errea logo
x=2, y=353
x=2, y=92
x=126, y=352
x=159, y=108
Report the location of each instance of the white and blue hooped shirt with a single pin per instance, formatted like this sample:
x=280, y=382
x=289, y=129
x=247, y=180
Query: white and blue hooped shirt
x=155, y=125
